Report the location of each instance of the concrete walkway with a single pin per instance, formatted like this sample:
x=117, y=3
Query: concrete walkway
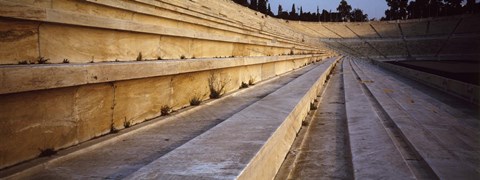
x=324, y=151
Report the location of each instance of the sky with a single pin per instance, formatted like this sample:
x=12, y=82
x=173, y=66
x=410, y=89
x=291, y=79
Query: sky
x=374, y=8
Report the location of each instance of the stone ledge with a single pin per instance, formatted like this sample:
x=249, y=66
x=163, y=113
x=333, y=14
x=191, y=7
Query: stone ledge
x=17, y=11
x=218, y=21
x=256, y=151
x=469, y=92
x=21, y=78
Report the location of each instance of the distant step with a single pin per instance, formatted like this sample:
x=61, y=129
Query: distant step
x=443, y=130
x=374, y=153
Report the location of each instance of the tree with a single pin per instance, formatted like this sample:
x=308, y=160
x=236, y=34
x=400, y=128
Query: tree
x=470, y=7
x=453, y=7
x=262, y=6
x=358, y=16
x=418, y=9
x=435, y=7
x=253, y=5
x=280, y=10
x=325, y=17
x=269, y=10
x=301, y=16
x=282, y=14
x=318, y=14
x=398, y=9
x=344, y=10
x=242, y=2
x=402, y=9
x=293, y=13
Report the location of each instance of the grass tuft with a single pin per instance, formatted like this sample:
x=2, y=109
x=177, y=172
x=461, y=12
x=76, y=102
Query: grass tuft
x=244, y=85
x=42, y=60
x=139, y=57
x=165, y=110
x=195, y=101
x=23, y=62
x=47, y=152
x=216, y=86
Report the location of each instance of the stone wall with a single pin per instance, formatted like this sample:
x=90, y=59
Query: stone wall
x=56, y=118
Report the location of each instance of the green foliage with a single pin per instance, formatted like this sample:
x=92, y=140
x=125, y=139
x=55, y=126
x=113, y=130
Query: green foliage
x=344, y=9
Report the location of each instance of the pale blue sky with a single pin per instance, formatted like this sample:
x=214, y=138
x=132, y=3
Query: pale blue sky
x=374, y=8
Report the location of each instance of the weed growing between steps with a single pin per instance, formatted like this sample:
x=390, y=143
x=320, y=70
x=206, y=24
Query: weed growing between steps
x=165, y=110
x=42, y=60
x=305, y=123
x=312, y=106
x=47, y=152
x=23, y=62
x=251, y=81
x=139, y=57
x=113, y=130
x=244, y=85
x=126, y=123
x=216, y=85
x=195, y=101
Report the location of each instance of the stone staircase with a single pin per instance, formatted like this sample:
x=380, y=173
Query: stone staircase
x=244, y=135
x=396, y=129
